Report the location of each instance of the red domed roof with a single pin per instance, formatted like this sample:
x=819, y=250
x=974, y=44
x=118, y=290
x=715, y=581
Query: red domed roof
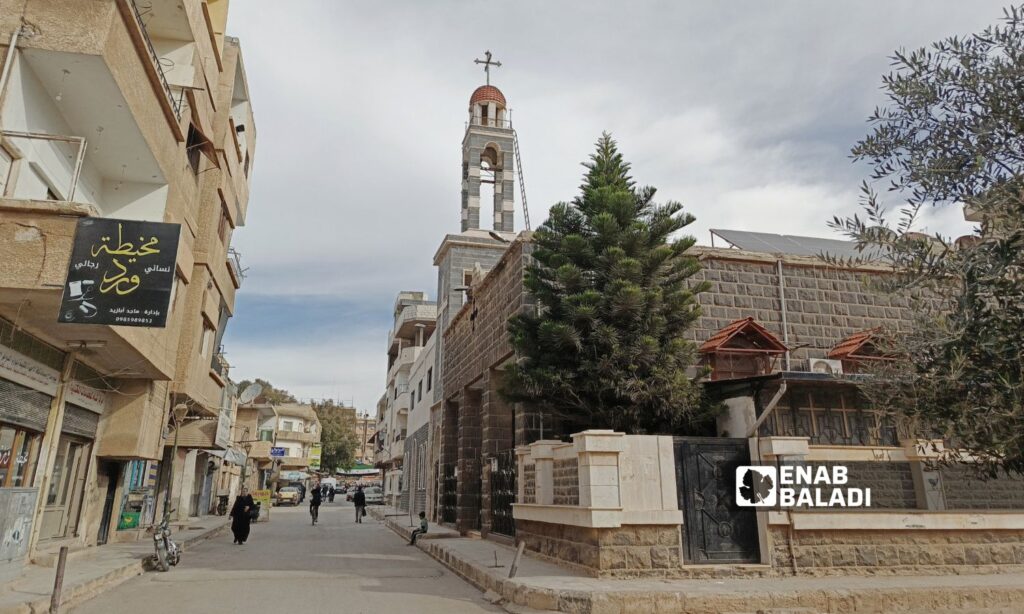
x=487, y=93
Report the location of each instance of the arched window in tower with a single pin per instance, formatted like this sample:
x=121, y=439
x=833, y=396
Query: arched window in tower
x=489, y=164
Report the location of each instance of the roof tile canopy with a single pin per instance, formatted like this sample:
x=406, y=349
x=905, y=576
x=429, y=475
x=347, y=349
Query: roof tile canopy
x=756, y=338
x=859, y=345
x=487, y=93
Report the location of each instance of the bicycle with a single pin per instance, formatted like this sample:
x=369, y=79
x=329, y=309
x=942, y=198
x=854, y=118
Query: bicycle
x=167, y=552
x=314, y=512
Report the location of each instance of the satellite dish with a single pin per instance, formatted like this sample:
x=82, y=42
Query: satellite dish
x=251, y=392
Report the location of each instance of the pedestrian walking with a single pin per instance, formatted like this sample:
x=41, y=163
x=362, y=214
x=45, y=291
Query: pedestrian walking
x=359, y=499
x=241, y=516
x=330, y=494
x=420, y=531
x=314, y=504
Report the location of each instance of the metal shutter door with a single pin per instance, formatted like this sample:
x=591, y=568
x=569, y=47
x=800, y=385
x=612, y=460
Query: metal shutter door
x=80, y=421
x=23, y=406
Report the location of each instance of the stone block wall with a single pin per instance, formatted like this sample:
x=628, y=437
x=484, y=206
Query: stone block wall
x=964, y=490
x=866, y=552
x=628, y=551
x=529, y=483
x=477, y=338
x=476, y=345
x=567, y=481
x=823, y=304
x=891, y=483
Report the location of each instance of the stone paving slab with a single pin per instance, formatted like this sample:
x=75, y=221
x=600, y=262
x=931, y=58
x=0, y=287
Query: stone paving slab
x=96, y=569
x=540, y=585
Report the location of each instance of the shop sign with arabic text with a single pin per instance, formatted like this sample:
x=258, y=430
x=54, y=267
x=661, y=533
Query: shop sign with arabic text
x=121, y=273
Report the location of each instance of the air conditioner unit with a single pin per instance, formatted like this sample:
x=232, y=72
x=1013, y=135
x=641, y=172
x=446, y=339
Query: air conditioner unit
x=824, y=365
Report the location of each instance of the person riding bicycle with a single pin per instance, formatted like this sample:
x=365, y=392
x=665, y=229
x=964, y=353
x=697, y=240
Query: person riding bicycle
x=315, y=499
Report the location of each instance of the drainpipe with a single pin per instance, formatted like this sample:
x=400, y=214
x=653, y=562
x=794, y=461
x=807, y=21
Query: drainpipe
x=782, y=300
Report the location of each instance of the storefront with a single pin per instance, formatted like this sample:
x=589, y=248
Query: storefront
x=29, y=382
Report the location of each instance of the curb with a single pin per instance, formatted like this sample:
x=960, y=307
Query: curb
x=515, y=593
x=77, y=594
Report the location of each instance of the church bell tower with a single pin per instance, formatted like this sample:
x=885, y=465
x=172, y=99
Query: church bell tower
x=488, y=157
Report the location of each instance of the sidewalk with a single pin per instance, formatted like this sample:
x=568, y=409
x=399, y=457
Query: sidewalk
x=92, y=570
x=540, y=585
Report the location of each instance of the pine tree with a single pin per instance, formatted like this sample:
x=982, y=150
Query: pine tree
x=606, y=347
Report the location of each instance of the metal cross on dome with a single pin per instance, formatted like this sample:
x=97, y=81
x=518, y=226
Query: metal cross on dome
x=487, y=64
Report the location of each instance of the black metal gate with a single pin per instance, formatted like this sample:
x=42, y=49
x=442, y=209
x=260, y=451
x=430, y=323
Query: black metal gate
x=449, y=498
x=716, y=530
x=503, y=494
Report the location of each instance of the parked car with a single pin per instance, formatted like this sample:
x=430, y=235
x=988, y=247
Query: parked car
x=288, y=494
x=374, y=495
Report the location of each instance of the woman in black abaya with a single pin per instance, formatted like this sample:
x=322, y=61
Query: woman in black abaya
x=241, y=516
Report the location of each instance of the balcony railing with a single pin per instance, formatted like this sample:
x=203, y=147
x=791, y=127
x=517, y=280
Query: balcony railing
x=219, y=363
x=491, y=122
x=235, y=262
x=175, y=104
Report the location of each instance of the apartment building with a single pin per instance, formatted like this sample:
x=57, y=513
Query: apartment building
x=255, y=430
x=365, y=428
x=130, y=111
x=298, y=432
x=415, y=319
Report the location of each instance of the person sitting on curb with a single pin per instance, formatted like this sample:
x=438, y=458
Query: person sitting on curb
x=421, y=530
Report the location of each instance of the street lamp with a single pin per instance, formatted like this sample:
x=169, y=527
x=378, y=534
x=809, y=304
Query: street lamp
x=177, y=416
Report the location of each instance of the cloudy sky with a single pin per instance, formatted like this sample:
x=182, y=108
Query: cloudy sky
x=743, y=111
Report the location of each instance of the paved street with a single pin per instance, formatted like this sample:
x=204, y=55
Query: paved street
x=290, y=566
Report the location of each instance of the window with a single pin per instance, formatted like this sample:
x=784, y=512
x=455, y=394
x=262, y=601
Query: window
x=223, y=226
x=413, y=405
x=207, y=339
x=287, y=425
x=19, y=450
x=192, y=146
x=430, y=378
x=419, y=389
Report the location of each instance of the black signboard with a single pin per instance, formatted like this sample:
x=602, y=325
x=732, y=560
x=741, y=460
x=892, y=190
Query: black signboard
x=121, y=273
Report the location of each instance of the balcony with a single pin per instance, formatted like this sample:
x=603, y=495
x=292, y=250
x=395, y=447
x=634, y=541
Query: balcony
x=298, y=436
x=161, y=76
x=402, y=403
x=295, y=461
x=405, y=323
x=219, y=364
x=404, y=360
x=397, y=448
x=260, y=450
x=235, y=267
